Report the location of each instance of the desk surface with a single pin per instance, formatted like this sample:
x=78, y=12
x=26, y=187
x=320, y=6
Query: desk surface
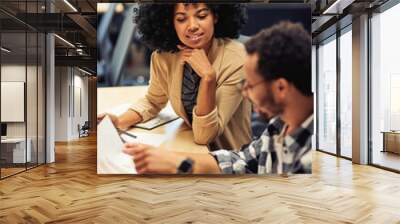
x=391, y=132
x=180, y=135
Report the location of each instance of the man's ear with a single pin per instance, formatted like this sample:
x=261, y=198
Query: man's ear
x=281, y=87
x=215, y=19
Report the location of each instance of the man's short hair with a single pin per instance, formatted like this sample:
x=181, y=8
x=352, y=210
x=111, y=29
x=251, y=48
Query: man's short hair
x=284, y=51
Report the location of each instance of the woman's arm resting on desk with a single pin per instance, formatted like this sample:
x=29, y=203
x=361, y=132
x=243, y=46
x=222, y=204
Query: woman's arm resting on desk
x=150, y=160
x=123, y=121
x=128, y=119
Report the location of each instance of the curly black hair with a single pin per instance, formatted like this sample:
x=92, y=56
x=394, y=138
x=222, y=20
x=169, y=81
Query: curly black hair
x=284, y=52
x=156, y=27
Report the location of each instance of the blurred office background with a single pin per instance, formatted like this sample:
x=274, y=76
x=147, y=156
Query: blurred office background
x=48, y=78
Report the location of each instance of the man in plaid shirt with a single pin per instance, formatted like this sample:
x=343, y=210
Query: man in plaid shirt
x=278, y=82
x=271, y=152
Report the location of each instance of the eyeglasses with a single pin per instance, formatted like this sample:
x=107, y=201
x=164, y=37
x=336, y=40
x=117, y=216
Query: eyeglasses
x=244, y=86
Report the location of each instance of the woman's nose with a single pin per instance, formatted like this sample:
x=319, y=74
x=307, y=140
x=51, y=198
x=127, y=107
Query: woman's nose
x=193, y=25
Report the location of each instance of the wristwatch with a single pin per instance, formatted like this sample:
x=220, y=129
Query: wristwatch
x=186, y=166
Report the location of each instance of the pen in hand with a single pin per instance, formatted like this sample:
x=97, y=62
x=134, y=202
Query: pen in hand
x=126, y=133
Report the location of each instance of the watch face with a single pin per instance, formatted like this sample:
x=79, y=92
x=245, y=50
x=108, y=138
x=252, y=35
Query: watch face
x=186, y=166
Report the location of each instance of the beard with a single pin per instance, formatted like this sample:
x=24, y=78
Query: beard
x=269, y=105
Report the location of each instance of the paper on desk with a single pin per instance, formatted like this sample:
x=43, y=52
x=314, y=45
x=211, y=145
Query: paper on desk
x=145, y=138
x=110, y=158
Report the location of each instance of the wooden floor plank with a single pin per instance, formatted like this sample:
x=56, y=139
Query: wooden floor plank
x=70, y=191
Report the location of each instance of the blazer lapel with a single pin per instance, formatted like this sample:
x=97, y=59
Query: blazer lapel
x=216, y=54
x=176, y=89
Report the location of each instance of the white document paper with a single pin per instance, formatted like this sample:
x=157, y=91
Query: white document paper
x=110, y=158
x=145, y=138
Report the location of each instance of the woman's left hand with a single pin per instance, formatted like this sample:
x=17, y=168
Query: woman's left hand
x=198, y=60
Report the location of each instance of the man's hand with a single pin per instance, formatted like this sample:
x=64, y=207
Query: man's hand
x=151, y=160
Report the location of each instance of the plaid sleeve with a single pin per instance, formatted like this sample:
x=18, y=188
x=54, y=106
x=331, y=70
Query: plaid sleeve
x=244, y=161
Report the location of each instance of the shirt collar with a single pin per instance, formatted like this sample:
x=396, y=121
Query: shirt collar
x=274, y=126
x=299, y=137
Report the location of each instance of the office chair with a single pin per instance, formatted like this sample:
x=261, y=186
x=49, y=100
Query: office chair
x=84, y=130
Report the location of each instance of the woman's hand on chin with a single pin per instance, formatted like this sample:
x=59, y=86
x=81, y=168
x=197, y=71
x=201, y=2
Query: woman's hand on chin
x=198, y=60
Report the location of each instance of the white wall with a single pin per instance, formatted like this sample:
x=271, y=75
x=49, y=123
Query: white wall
x=61, y=103
x=33, y=127
x=16, y=73
x=80, y=110
x=71, y=94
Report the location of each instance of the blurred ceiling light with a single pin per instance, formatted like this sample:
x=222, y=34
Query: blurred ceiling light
x=70, y=5
x=102, y=7
x=5, y=50
x=65, y=41
x=119, y=8
x=79, y=51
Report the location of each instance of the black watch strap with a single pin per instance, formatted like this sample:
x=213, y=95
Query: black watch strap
x=186, y=166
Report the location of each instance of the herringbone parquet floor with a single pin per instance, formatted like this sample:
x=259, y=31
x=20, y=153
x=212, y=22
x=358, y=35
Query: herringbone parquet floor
x=70, y=191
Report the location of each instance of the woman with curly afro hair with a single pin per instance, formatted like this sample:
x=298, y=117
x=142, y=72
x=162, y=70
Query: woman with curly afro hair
x=197, y=66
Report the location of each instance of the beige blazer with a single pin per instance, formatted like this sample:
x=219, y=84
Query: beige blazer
x=228, y=125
